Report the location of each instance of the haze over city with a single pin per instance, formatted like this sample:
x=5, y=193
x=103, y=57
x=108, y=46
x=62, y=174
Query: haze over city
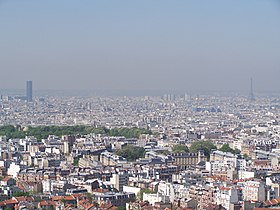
x=140, y=46
x=139, y=105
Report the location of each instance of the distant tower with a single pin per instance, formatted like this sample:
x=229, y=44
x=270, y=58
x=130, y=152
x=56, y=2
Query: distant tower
x=252, y=97
x=29, y=91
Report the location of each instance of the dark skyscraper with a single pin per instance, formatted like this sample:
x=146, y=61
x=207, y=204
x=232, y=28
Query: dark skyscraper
x=252, y=97
x=29, y=91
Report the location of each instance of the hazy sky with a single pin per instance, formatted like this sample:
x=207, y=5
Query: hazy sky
x=140, y=45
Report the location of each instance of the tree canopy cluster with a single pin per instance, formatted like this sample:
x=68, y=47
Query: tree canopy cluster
x=205, y=146
x=180, y=148
x=128, y=132
x=42, y=132
x=131, y=153
x=18, y=194
x=227, y=148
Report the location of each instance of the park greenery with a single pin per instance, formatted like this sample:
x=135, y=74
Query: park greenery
x=19, y=194
x=227, y=148
x=131, y=153
x=205, y=146
x=180, y=148
x=42, y=132
x=246, y=157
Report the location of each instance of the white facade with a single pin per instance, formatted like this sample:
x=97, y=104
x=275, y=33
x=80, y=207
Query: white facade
x=154, y=198
x=13, y=170
x=225, y=196
x=246, y=174
x=47, y=186
x=135, y=190
x=254, y=191
x=219, y=165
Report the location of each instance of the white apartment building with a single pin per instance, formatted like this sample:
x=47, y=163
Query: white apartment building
x=225, y=196
x=254, y=191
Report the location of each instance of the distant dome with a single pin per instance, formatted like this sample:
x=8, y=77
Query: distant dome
x=25, y=129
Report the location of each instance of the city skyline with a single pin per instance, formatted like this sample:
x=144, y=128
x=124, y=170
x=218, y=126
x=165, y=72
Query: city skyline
x=139, y=105
x=178, y=46
x=28, y=92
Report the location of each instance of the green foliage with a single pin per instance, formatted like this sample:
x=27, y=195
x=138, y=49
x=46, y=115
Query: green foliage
x=163, y=152
x=205, y=146
x=227, y=148
x=11, y=132
x=42, y=132
x=128, y=132
x=19, y=194
x=237, y=151
x=121, y=208
x=246, y=157
x=131, y=153
x=142, y=191
x=179, y=148
x=76, y=162
x=89, y=197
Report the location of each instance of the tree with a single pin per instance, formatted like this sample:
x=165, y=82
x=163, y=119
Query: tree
x=246, y=157
x=179, y=148
x=163, y=152
x=237, y=151
x=42, y=132
x=131, y=153
x=19, y=194
x=147, y=191
x=128, y=132
x=76, y=162
x=227, y=148
x=205, y=146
